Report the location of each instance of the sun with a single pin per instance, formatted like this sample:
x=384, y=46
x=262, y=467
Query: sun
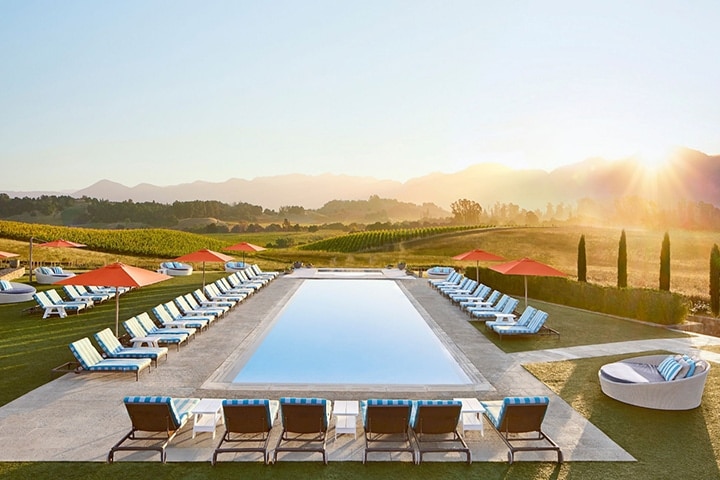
x=654, y=160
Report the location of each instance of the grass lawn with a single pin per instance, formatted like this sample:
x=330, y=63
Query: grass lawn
x=576, y=327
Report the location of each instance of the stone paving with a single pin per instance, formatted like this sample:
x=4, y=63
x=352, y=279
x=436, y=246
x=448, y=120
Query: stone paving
x=79, y=417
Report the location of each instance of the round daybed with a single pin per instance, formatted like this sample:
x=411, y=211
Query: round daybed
x=439, y=272
x=13, y=292
x=176, y=269
x=232, y=267
x=637, y=381
x=49, y=275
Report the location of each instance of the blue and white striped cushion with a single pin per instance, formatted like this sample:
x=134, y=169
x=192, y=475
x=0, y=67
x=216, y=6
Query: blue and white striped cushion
x=5, y=285
x=669, y=368
x=309, y=401
x=57, y=270
x=421, y=403
x=691, y=362
x=180, y=408
x=85, y=353
x=383, y=402
x=497, y=418
x=270, y=407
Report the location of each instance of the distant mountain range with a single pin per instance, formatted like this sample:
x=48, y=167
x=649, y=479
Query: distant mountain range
x=689, y=175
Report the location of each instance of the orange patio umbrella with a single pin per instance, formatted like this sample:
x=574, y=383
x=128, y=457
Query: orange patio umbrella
x=116, y=275
x=203, y=256
x=527, y=267
x=479, y=256
x=244, y=247
x=60, y=243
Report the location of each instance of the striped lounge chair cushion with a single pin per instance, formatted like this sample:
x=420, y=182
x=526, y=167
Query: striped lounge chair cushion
x=419, y=403
x=180, y=408
x=496, y=410
x=310, y=401
x=271, y=407
x=91, y=360
x=383, y=402
x=669, y=368
x=5, y=285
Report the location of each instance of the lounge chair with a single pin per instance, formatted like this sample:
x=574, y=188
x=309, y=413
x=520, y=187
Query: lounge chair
x=186, y=308
x=50, y=275
x=213, y=292
x=452, y=277
x=479, y=294
x=91, y=361
x=238, y=282
x=434, y=424
x=152, y=328
x=465, y=288
x=387, y=424
x=305, y=424
x=140, y=335
x=114, y=349
x=203, y=300
x=52, y=308
x=255, y=269
x=55, y=297
x=483, y=314
x=518, y=422
x=178, y=316
x=536, y=325
x=176, y=269
x=15, y=292
x=168, y=322
x=160, y=417
x=247, y=421
x=491, y=299
x=522, y=321
x=97, y=292
x=76, y=296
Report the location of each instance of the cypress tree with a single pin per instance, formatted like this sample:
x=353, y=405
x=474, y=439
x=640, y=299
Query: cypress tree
x=622, y=262
x=665, y=263
x=582, y=260
x=715, y=279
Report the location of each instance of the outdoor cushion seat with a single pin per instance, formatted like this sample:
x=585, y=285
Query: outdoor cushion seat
x=305, y=424
x=138, y=333
x=386, y=423
x=536, y=325
x=160, y=417
x=434, y=424
x=178, y=316
x=55, y=297
x=247, y=421
x=53, y=308
x=151, y=327
x=49, y=275
x=524, y=319
x=14, y=292
x=640, y=381
x=232, y=267
x=202, y=299
x=177, y=269
x=437, y=272
x=114, y=349
x=483, y=314
x=518, y=422
x=78, y=295
x=91, y=361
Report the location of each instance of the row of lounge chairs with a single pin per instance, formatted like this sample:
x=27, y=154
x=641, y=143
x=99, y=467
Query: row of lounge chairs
x=79, y=298
x=178, y=322
x=496, y=309
x=416, y=427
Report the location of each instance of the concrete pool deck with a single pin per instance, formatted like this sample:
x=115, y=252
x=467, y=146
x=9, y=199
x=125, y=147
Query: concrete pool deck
x=79, y=417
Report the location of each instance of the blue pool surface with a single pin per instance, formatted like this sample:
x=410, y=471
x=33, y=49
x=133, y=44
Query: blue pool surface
x=351, y=331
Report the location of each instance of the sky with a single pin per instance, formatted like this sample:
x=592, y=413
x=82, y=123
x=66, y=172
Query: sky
x=170, y=92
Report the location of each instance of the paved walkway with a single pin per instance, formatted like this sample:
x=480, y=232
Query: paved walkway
x=79, y=417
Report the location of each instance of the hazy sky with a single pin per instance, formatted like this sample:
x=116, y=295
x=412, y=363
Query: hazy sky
x=169, y=92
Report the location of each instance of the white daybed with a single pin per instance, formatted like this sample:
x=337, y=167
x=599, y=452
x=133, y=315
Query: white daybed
x=637, y=381
x=13, y=292
x=50, y=275
x=176, y=269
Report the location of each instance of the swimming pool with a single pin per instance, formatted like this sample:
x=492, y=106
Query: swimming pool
x=349, y=331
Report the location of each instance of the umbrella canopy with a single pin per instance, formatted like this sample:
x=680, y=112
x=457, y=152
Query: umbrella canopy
x=60, y=243
x=116, y=275
x=8, y=255
x=244, y=247
x=527, y=267
x=479, y=256
x=203, y=256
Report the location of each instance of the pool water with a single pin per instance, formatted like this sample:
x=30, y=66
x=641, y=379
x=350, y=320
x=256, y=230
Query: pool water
x=351, y=331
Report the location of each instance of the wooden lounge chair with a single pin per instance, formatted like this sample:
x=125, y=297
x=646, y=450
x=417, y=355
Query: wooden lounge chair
x=387, y=424
x=518, y=422
x=159, y=417
x=247, y=421
x=114, y=349
x=91, y=361
x=434, y=426
x=305, y=424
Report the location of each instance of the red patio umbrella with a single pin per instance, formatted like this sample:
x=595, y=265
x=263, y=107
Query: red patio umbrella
x=116, y=275
x=203, y=256
x=479, y=256
x=59, y=243
x=244, y=247
x=527, y=267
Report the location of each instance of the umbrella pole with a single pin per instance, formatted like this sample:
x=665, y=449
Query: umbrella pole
x=525, y=277
x=477, y=271
x=203, y=274
x=117, y=311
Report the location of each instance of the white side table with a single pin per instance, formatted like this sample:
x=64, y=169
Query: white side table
x=346, y=412
x=206, y=415
x=471, y=415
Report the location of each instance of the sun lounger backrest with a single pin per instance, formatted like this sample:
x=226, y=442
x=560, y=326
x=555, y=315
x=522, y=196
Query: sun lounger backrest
x=154, y=414
x=305, y=415
x=520, y=414
x=510, y=305
x=134, y=327
x=108, y=342
x=537, y=321
x=85, y=353
x=248, y=415
x=435, y=416
x=386, y=416
x=146, y=322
